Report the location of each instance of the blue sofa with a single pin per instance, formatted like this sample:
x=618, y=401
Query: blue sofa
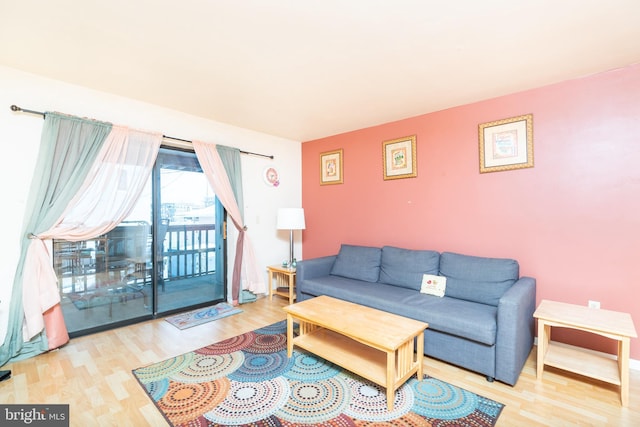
x=483, y=323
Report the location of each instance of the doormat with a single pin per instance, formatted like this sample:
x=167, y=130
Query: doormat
x=249, y=380
x=202, y=315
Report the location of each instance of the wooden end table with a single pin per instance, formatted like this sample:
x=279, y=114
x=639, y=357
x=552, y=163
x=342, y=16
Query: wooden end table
x=611, y=324
x=285, y=281
x=374, y=344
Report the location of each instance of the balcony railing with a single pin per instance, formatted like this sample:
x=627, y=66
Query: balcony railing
x=188, y=250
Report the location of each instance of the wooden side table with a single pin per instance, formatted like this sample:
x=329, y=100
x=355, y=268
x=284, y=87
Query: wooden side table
x=285, y=281
x=611, y=324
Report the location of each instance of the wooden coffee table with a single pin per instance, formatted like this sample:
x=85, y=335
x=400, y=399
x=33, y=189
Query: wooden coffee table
x=374, y=344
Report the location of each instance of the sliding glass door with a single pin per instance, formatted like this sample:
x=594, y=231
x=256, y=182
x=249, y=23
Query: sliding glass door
x=168, y=255
x=190, y=255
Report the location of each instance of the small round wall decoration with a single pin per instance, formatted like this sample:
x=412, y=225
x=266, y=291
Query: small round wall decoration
x=270, y=176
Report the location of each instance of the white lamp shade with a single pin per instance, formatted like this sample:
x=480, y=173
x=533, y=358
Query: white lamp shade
x=290, y=219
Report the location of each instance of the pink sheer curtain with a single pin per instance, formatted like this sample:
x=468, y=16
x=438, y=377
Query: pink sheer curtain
x=245, y=266
x=110, y=191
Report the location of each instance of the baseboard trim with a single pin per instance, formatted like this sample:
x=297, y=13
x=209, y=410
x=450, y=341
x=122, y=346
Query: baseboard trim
x=633, y=364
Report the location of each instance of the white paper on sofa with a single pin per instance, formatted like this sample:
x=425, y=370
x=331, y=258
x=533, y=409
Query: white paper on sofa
x=433, y=285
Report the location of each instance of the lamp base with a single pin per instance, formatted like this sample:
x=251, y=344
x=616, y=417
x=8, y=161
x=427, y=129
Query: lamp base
x=291, y=258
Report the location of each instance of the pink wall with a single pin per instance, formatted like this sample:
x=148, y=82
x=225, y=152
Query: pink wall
x=572, y=221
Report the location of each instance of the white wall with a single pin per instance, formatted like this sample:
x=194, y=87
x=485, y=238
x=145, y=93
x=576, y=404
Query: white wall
x=20, y=139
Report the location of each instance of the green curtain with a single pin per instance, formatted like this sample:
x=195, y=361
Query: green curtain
x=68, y=148
x=231, y=160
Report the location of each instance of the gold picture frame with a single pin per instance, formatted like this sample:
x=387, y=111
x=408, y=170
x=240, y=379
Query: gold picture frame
x=399, y=158
x=506, y=144
x=331, y=167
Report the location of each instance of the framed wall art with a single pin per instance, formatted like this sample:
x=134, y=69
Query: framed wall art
x=399, y=158
x=331, y=167
x=506, y=144
x=270, y=176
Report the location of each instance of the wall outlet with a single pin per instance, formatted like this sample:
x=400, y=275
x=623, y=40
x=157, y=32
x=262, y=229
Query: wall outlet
x=594, y=304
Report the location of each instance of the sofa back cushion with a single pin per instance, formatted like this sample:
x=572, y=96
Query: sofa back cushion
x=358, y=262
x=405, y=267
x=478, y=279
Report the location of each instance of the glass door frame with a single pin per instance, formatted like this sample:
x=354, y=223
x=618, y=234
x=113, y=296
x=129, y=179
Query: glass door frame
x=157, y=256
x=155, y=273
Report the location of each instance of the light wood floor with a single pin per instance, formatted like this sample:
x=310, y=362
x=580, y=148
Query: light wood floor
x=93, y=375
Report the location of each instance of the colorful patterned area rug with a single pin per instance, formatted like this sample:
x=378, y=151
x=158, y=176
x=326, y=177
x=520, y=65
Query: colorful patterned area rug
x=248, y=380
x=202, y=315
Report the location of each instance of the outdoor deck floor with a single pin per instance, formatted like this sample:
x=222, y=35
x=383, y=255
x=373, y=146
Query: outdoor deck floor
x=117, y=305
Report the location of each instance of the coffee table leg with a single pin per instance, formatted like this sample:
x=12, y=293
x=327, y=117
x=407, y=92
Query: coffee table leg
x=391, y=367
x=420, y=356
x=289, y=335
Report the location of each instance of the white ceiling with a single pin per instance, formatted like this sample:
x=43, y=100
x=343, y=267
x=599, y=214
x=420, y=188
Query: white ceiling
x=305, y=69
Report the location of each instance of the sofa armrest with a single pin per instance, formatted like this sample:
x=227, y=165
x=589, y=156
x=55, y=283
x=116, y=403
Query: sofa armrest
x=312, y=268
x=514, y=339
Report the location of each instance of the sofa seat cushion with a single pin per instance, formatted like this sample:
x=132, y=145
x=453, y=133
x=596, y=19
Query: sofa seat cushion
x=405, y=267
x=358, y=262
x=478, y=279
x=338, y=287
x=473, y=321
x=466, y=319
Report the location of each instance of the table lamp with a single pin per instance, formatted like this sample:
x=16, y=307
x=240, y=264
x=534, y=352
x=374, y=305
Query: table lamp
x=290, y=219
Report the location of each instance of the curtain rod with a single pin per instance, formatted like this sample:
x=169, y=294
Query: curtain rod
x=40, y=113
